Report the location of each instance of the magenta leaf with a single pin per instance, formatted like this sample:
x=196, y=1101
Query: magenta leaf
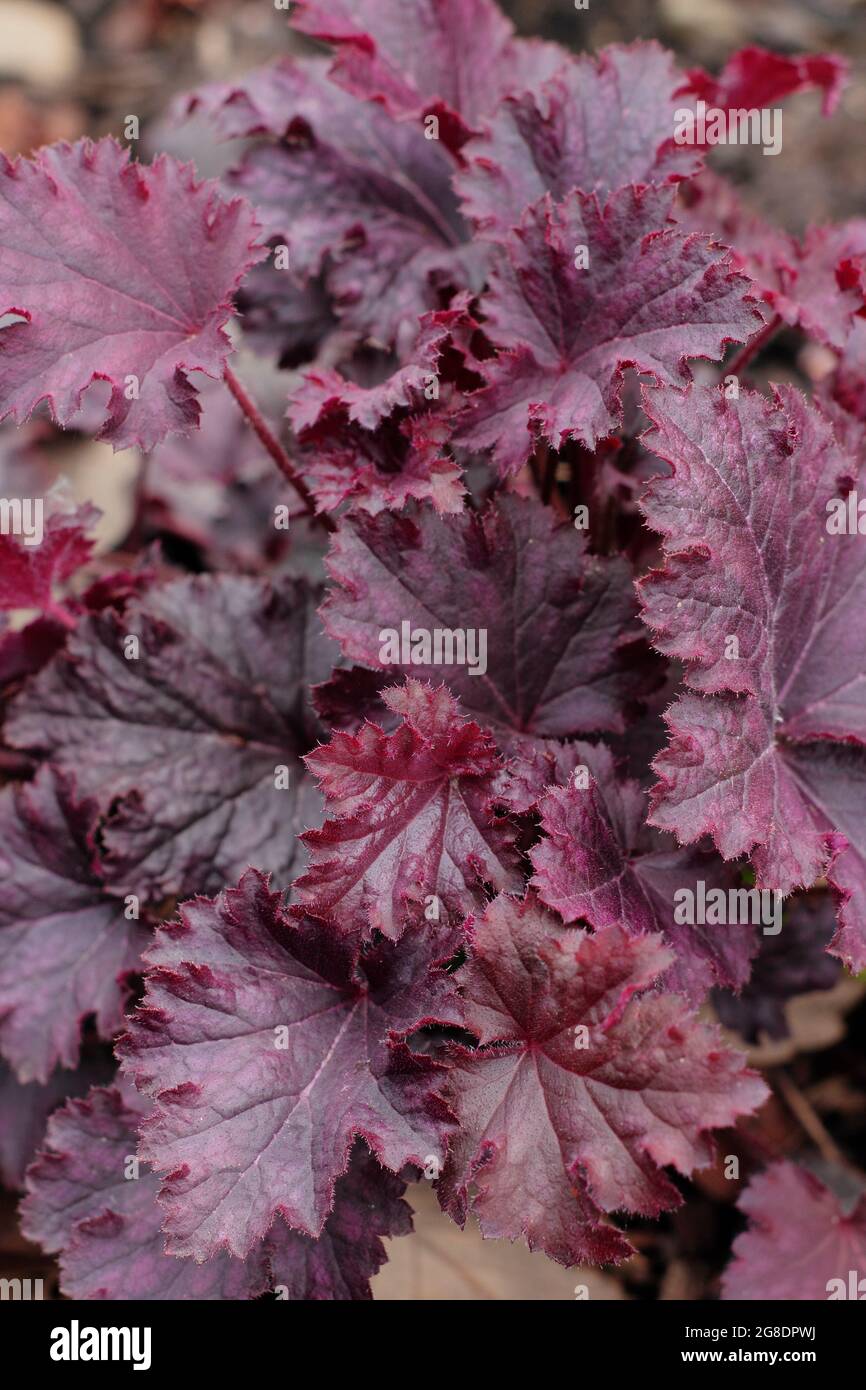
x=809, y=1258
x=124, y=273
x=409, y=819
x=66, y=947
x=828, y=294
x=756, y=598
x=505, y=571
x=816, y=285
x=570, y=133
x=599, y=862
x=193, y=745
x=579, y=1095
x=268, y=1045
x=53, y=544
x=454, y=59
x=580, y=291
x=756, y=77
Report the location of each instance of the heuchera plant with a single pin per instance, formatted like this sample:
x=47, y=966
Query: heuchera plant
x=367, y=842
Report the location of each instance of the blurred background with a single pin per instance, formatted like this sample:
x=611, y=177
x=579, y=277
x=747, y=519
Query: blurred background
x=84, y=66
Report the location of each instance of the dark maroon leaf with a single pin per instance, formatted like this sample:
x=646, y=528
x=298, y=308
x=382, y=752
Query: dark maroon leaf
x=504, y=573
x=757, y=597
x=268, y=1045
x=193, y=746
x=66, y=947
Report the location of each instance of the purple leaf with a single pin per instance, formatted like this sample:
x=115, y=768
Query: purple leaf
x=409, y=819
x=807, y=1258
x=601, y=863
x=503, y=573
x=354, y=196
x=66, y=947
x=90, y=1199
x=24, y=1111
x=643, y=295
x=124, y=273
x=455, y=59
x=597, y=124
x=268, y=1046
x=579, y=1095
x=756, y=597
x=194, y=745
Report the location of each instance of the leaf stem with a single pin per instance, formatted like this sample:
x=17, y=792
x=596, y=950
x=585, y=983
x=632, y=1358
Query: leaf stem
x=810, y=1121
x=753, y=347
x=274, y=447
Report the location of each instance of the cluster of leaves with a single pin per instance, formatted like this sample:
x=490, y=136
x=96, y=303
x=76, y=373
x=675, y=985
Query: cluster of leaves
x=346, y=923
